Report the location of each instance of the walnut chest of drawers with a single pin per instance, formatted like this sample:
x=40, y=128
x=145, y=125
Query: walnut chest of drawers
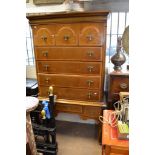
x=70, y=56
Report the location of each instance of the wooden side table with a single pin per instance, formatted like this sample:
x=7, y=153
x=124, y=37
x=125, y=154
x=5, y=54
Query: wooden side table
x=31, y=104
x=111, y=145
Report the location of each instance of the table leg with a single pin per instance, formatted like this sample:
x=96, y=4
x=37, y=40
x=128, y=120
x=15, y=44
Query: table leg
x=30, y=135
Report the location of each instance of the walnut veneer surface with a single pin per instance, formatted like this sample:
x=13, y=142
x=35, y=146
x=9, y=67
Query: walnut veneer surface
x=70, y=56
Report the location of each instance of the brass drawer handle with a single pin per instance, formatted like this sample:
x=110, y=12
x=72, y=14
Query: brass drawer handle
x=90, y=53
x=123, y=85
x=52, y=36
x=66, y=37
x=90, y=68
x=45, y=53
x=44, y=38
x=90, y=94
x=47, y=80
x=90, y=82
x=46, y=67
x=89, y=37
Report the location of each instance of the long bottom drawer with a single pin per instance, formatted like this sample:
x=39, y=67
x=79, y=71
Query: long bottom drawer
x=72, y=93
x=85, y=111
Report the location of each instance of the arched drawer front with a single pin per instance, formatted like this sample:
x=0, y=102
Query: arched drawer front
x=91, y=35
x=44, y=35
x=67, y=35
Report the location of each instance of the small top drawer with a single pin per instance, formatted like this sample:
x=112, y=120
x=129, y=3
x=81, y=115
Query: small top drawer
x=44, y=35
x=91, y=34
x=69, y=53
x=119, y=83
x=67, y=35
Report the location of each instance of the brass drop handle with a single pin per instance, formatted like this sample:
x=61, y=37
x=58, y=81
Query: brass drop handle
x=50, y=91
x=90, y=53
x=45, y=53
x=90, y=82
x=123, y=85
x=66, y=37
x=52, y=35
x=90, y=95
x=90, y=68
x=44, y=38
x=47, y=80
x=89, y=37
x=46, y=67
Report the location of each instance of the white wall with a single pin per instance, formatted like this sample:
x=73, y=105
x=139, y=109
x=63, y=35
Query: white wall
x=31, y=72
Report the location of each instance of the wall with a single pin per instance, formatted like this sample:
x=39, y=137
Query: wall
x=111, y=5
x=31, y=72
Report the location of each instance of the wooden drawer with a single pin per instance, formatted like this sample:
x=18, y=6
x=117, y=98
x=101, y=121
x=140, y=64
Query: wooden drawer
x=91, y=34
x=91, y=112
x=76, y=81
x=116, y=150
x=72, y=93
x=44, y=35
x=82, y=34
x=69, y=53
x=67, y=34
x=119, y=83
x=68, y=108
x=69, y=67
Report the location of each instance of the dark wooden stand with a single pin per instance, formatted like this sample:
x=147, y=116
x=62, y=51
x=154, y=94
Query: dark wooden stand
x=117, y=82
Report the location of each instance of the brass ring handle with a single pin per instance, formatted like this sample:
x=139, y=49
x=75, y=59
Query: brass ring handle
x=46, y=67
x=45, y=53
x=90, y=82
x=123, y=85
x=66, y=37
x=89, y=37
x=90, y=53
x=90, y=68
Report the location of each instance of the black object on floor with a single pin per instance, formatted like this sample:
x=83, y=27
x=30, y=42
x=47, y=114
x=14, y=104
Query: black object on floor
x=45, y=129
